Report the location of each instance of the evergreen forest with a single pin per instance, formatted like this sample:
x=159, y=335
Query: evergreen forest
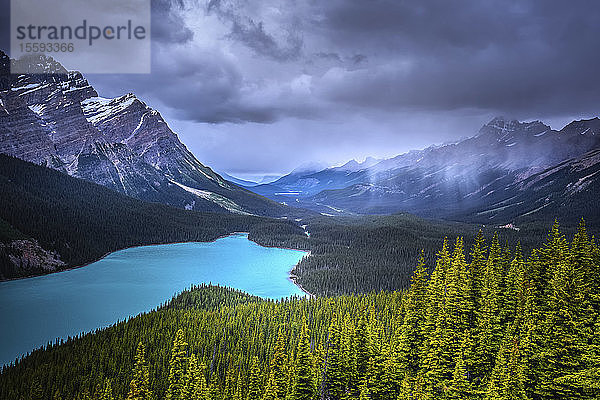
x=483, y=321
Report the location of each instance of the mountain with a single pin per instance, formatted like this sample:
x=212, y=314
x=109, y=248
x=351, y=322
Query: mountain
x=268, y=178
x=568, y=190
x=238, y=181
x=51, y=221
x=354, y=166
x=460, y=181
x=57, y=119
x=310, y=179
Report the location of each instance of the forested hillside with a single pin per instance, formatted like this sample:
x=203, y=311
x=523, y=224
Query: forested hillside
x=362, y=254
x=486, y=323
x=82, y=221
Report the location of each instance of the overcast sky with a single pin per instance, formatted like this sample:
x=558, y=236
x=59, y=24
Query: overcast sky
x=257, y=87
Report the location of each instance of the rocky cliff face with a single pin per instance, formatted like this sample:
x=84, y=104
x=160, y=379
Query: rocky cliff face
x=59, y=120
x=21, y=258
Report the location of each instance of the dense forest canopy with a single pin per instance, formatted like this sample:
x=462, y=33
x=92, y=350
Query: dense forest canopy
x=484, y=322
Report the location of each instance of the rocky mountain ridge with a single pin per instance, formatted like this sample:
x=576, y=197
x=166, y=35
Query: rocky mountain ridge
x=60, y=121
x=461, y=181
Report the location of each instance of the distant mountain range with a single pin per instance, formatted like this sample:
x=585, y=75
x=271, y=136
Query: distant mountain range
x=58, y=120
x=510, y=171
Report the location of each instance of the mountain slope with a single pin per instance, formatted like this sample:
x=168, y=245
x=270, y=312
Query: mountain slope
x=568, y=190
x=59, y=120
x=458, y=181
x=51, y=221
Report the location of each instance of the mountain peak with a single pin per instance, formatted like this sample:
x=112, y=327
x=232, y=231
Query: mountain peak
x=585, y=127
x=503, y=129
x=503, y=123
x=37, y=64
x=354, y=165
x=309, y=167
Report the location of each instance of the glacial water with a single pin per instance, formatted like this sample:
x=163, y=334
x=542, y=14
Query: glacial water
x=35, y=311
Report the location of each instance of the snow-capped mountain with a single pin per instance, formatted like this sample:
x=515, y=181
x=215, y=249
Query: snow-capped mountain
x=462, y=180
x=60, y=121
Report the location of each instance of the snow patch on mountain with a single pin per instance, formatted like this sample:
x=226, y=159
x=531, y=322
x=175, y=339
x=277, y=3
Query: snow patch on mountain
x=99, y=109
x=581, y=184
x=219, y=200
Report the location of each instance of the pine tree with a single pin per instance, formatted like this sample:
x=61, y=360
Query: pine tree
x=304, y=384
x=472, y=351
x=203, y=386
x=475, y=277
x=139, y=388
x=587, y=379
x=411, y=334
x=515, y=295
x=434, y=320
x=214, y=390
x=567, y=333
x=391, y=378
x=490, y=327
x=195, y=382
x=581, y=256
x=254, y=391
x=239, y=389
x=229, y=380
x=277, y=383
x=107, y=393
x=507, y=379
x=348, y=352
x=442, y=344
x=459, y=387
x=436, y=290
x=362, y=346
x=334, y=369
x=456, y=298
x=177, y=368
x=36, y=391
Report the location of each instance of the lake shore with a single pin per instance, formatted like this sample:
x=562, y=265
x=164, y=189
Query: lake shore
x=294, y=278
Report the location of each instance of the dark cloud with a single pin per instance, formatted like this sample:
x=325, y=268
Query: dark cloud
x=253, y=33
x=168, y=25
x=358, y=59
x=518, y=57
x=335, y=57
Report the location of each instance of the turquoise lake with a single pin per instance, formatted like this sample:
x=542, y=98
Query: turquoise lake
x=34, y=311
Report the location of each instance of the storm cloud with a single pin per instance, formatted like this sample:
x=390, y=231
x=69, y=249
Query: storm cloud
x=518, y=57
x=356, y=78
